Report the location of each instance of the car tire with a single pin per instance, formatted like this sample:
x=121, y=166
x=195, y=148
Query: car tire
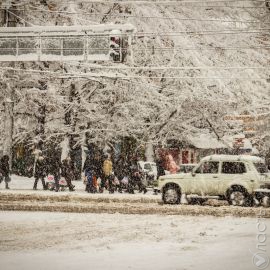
x=239, y=197
x=265, y=201
x=171, y=195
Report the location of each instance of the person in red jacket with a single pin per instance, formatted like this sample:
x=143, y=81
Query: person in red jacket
x=171, y=165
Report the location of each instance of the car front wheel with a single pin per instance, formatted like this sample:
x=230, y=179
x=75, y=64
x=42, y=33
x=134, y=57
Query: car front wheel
x=171, y=195
x=265, y=201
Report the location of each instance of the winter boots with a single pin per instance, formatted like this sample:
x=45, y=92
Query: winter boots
x=71, y=188
x=7, y=187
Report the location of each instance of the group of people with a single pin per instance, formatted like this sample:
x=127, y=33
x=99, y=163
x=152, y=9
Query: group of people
x=53, y=166
x=124, y=175
x=98, y=171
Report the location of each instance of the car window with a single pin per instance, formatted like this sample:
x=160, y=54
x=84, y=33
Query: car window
x=208, y=167
x=147, y=166
x=233, y=167
x=261, y=167
x=189, y=168
x=183, y=169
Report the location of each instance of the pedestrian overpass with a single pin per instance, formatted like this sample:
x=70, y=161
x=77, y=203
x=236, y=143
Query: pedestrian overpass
x=108, y=42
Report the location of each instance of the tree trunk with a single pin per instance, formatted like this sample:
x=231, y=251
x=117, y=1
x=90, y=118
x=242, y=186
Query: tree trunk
x=9, y=123
x=149, y=152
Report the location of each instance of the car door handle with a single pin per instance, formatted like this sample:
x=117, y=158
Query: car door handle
x=215, y=176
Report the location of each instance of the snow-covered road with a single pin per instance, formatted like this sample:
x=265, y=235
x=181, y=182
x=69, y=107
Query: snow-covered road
x=35, y=240
x=22, y=197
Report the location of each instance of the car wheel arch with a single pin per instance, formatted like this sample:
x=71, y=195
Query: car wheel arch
x=236, y=187
x=171, y=185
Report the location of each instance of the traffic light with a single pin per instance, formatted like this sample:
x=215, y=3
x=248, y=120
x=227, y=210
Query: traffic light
x=115, y=45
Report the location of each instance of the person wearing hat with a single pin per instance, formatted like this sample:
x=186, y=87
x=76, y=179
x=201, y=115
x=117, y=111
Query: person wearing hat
x=40, y=172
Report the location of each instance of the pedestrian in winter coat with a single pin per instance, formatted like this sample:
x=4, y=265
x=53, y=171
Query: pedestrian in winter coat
x=40, y=172
x=4, y=170
x=92, y=171
x=121, y=172
x=94, y=164
x=136, y=178
x=172, y=166
x=160, y=169
x=107, y=166
x=54, y=165
x=67, y=173
x=107, y=174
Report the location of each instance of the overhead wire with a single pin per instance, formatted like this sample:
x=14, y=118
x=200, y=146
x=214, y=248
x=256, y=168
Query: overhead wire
x=175, y=67
x=116, y=76
x=146, y=17
x=150, y=48
x=203, y=32
x=166, y=2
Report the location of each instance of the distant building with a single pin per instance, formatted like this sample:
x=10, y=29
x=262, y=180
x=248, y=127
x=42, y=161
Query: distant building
x=252, y=124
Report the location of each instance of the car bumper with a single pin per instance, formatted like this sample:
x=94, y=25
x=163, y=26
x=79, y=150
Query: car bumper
x=260, y=193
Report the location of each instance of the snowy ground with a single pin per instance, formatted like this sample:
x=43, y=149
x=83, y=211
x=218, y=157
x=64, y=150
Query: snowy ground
x=49, y=240
x=21, y=197
x=35, y=240
x=21, y=184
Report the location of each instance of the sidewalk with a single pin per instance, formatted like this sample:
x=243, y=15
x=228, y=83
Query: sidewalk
x=24, y=185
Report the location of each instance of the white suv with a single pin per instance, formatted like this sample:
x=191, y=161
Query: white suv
x=239, y=179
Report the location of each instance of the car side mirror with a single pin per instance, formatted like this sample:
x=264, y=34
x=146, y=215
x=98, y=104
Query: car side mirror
x=193, y=174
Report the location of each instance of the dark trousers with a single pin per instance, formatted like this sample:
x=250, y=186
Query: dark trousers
x=6, y=179
x=141, y=187
x=105, y=179
x=42, y=180
x=69, y=184
x=56, y=181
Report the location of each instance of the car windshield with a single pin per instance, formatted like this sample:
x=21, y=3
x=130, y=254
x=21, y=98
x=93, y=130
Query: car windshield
x=261, y=167
x=186, y=169
x=148, y=167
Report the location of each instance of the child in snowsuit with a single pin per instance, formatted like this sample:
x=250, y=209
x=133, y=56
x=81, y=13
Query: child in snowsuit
x=91, y=181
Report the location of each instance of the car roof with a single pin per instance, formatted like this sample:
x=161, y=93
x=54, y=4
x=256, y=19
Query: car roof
x=232, y=158
x=147, y=162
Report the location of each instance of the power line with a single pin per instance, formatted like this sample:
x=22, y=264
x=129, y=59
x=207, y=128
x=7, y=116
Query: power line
x=198, y=32
x=203, y=32
x=175, y=68
x=151, y=48
x=167, y=2
x=178, y=48
x=120, y=76
x=147, y=17
x=207, y=7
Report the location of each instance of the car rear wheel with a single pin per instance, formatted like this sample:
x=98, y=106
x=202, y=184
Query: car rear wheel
x=239, y=197
x=171, y=195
